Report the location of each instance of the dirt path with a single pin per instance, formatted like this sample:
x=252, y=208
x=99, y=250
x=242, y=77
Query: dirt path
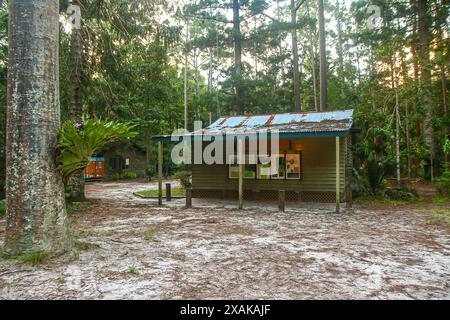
x=133, y=250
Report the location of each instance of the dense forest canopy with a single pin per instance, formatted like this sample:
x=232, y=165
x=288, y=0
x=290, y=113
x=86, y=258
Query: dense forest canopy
x=130, y=60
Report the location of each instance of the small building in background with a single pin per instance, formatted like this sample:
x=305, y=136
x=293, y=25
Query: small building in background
x=95, y=170
x=313, y=161
x=119, y=160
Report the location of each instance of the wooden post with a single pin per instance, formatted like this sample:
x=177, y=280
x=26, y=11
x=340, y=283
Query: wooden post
x=281, y=200
x=241, y=172
x=168, y=192
x=188, y=198
x=349, y=171
x=338, y=176
x=160, y=171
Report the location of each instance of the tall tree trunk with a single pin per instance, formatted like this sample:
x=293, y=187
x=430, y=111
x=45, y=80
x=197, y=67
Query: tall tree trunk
x=415, y=59
x=340, y=50
x=237, y=57
x=313, y=41
x=197, y=83
x=297, y=98
x=323, y=57
x=186, y=53
x=407, y=115
x=210, y=69
x=314, y=77
x=76, y=76
x=397, y=129
x=36, y=213
x=440, y=24
x=425, y=77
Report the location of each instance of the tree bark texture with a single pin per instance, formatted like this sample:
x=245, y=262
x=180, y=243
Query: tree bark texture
x=323, y=57
x=36, y=212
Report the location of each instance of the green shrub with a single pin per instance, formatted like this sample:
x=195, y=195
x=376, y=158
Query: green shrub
x=129, y=175
x=443, y=182
x=34, y=257
x=76, y=146
x=439, y=217
x=124, y=175
x=358, y=183
x=149, y=172
x=2, y=208
x=185, y=178
x=402, y=194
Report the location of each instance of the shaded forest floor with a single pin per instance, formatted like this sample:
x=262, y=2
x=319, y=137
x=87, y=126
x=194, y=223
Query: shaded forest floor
x=130, y=249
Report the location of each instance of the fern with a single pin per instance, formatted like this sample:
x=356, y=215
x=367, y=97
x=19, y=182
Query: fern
x=76, y=146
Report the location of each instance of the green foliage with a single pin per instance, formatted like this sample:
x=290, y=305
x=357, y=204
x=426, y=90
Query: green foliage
x=35, y=257
x=78, y=145
x=376, y=173
x=441, y=199
x=124, y=175
x=447, y=146
x=402, y=194
x=2, y=208
x=184, y=177
x=443, y=182
x=358, y=183
x=149, y=172
x=439, y=217
x=133, y=270
x=129, y=175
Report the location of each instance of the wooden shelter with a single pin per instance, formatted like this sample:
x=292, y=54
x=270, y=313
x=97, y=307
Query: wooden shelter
x=314, y=158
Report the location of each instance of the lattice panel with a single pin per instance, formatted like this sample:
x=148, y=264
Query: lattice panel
x=267, y=195
x=320, y=197
x=203, y=194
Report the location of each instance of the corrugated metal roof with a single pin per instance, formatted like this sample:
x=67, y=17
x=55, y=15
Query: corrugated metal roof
x=256, y=121
x=289, y=122
x=331, y=123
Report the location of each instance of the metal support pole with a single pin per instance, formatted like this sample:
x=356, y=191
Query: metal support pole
x=241, y=172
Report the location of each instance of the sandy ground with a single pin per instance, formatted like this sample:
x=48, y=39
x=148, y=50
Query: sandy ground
x=130, y=249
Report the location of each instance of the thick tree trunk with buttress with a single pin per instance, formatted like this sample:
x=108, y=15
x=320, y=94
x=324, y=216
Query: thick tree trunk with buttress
x=36, y=217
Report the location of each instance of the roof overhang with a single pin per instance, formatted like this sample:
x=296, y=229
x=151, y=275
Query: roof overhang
x=285, y=135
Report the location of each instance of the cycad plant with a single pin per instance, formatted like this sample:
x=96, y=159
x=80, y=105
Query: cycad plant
x=76, y=146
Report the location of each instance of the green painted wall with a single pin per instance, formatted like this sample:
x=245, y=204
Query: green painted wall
x=319, y=171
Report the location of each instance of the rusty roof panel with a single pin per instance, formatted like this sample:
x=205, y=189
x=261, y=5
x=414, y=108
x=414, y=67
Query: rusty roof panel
x=290, y=122
x=256, y=121
x=233, y=122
